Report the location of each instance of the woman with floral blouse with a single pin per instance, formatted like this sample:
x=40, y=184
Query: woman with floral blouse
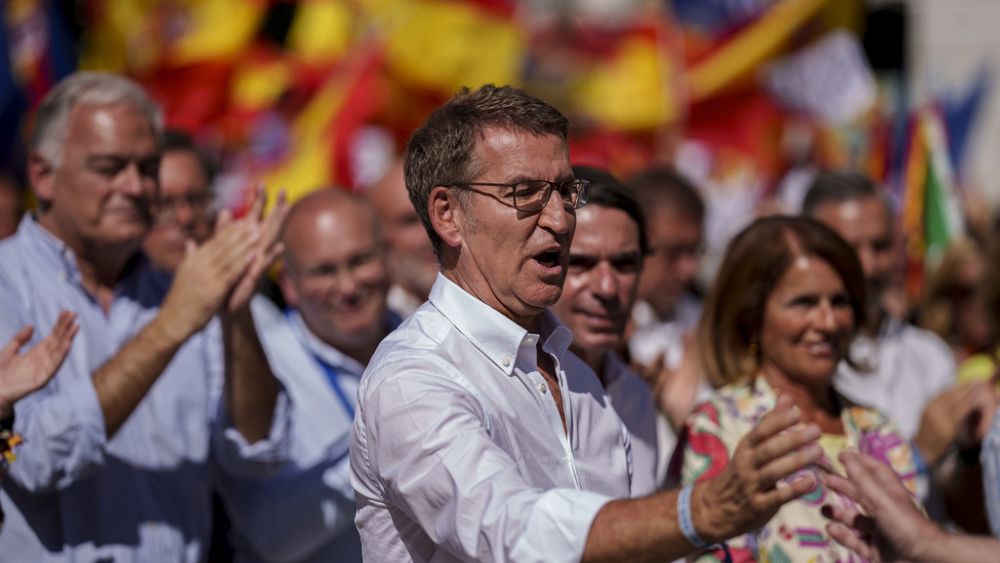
x=788, y=298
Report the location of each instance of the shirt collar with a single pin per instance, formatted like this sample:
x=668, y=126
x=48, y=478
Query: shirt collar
x=614, y=369
x=499, y=338
x=317, y=347
x=49, y=250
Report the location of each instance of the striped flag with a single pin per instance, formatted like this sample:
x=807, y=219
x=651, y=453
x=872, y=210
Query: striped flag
x=932, y=211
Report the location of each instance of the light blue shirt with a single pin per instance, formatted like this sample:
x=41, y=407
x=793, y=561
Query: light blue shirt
x=306, y=512
x=143, y=495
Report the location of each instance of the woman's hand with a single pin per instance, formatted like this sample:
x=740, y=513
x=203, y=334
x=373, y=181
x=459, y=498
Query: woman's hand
x=21, y=374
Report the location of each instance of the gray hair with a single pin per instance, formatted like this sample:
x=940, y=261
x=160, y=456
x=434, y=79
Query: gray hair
x=86, y=88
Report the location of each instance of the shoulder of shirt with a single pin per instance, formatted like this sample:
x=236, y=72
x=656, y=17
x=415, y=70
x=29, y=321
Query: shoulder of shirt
x=412, y=346
x=924, y=344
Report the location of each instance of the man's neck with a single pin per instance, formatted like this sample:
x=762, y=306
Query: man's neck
x=100, y=266
x=359, y=349
x=481, y=290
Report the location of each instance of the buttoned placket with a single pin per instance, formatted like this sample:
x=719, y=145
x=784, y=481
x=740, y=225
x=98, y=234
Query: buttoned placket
x=527, y=371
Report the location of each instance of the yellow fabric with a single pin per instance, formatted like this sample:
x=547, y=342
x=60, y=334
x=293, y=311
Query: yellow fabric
x=322, y=30
x=743, y=54
x=632, y=90
x=445, y=45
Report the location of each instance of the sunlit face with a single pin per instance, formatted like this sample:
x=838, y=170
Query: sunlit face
x=675, y=244
x=515, y=261
x=808, y=321
x=101, y=192
x=182, y=212
x=866, y=226
x=604, y=265
x=410, y=252
x=335, y=274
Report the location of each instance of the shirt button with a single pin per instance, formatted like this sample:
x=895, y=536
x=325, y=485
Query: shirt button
x=506, y=362
x=542, y=388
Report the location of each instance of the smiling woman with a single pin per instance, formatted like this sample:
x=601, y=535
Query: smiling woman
x=778, y=320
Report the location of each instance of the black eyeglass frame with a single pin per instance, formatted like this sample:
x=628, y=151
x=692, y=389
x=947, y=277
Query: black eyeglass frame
x=581, y=192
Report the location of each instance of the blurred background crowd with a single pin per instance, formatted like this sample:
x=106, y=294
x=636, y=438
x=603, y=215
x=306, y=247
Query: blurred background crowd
x=748, y=98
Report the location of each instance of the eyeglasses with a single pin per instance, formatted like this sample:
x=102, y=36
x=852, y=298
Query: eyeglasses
x=168, y=208
x=363, y=265
x=531, y=196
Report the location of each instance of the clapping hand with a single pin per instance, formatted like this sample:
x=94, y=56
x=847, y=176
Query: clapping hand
x=24, y=373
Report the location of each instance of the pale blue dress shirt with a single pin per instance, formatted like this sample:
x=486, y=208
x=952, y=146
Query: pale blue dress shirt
x=143, y=495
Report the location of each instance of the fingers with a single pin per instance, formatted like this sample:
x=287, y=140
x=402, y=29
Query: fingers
x=799, y=486
x=842, y=486
x=781, y=417
x=19, y=339
x=775, y=446
x=60, y=339
x=848, y=538
x=787, y=463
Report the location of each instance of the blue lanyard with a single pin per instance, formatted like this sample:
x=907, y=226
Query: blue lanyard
x=332, y=376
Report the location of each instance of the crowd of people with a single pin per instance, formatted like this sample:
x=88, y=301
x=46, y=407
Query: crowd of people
x=491, y=354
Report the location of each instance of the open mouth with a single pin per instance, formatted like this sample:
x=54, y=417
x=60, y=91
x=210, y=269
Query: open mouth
x=549, y=258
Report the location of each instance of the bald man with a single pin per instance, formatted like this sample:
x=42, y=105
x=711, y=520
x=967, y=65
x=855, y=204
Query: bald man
x=335, y=282
x=411, y=260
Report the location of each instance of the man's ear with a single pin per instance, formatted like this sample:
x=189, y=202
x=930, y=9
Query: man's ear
x=41, y=176
x=287, y=287
x=445, y=215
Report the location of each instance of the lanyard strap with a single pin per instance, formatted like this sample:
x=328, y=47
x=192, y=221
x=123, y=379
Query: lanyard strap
x=332, y=375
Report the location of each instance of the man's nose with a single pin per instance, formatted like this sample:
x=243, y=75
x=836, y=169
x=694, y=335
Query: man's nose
x=554, y=216
x=603, y=282
x=130, y=180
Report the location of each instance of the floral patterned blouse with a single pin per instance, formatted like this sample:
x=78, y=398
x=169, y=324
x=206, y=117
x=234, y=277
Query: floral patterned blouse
x=798, y=531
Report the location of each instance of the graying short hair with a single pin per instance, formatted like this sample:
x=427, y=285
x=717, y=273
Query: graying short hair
x=86, y=88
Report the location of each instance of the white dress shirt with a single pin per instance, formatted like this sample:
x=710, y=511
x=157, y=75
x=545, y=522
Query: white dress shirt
x=909, y=367
x=458, y=450
x=653, y=337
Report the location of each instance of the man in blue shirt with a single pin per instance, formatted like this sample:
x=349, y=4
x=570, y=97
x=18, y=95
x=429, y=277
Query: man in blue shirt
x=115, y=464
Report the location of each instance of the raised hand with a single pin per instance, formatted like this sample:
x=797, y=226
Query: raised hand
x=266, y=250
x=21, y=374
x=206, y=277
x=888, y=526
x=946, y=416
x=750, y=490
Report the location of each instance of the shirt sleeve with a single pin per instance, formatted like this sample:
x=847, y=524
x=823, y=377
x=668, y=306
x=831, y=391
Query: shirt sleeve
x=62, y=424
x=231, y=452
x=425, y=442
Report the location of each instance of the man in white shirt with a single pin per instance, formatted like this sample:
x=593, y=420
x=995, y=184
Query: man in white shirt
x=605, y=261
x=909, y=365
x=667, y=310
x=410, y=256
x=478, y=435
x=335, y=281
